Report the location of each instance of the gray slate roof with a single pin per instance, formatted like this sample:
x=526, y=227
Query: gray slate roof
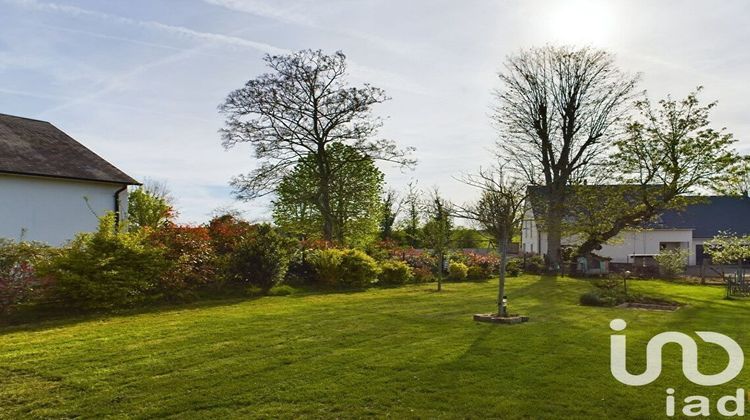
x=708, y=217
x=714, y=214
x=33, y=147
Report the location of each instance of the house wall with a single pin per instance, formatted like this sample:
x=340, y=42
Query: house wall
x=646, y=242
x=53, y=210
x=619, y=248
x=530, y=239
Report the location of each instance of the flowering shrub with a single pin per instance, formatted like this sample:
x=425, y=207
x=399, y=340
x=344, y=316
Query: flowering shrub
x=480, y=266
x=19, y=281
x=192, y=262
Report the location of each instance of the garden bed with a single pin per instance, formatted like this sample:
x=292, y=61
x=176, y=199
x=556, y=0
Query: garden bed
x=495, y=319
x=666, y=306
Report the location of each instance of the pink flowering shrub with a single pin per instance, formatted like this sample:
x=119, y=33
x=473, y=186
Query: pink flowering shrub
x=19, y=281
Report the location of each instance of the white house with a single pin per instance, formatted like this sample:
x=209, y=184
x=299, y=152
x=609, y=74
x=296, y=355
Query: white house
x=687, y=229
x=51, y=186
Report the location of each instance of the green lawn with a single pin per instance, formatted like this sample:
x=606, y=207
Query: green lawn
x=404, y=352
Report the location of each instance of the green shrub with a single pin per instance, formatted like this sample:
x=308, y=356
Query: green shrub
x=476, y=272
x=606, y=292
x=326, y=266
x=534, y=264
x=261, y=258
x=343, y=268
x=591, y=298
x=672, y=262
x=513, y=267
x=254, y=291
x=394, y=272
x=106, y=269
x=457, y=271
x=357, y=269
x=282, y=290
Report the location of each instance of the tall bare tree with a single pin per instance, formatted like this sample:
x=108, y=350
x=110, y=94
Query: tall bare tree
x=300, y=108
x=556, y=112
x=499, y=212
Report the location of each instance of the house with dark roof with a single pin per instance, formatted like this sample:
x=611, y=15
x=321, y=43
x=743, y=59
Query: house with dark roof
x=686, y=229
x=51, y=186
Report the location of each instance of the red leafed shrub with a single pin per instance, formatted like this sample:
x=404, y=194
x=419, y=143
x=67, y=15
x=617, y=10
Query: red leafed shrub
x=480, y=266
x=423, y=264
x=416, y=258
x=192, y=262
x=226, y=232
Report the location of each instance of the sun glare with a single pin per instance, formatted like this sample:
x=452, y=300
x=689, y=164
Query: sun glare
x=588, y=22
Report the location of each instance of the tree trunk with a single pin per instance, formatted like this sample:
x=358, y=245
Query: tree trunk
x=324, y=197
x=554, y=240
x=440, y=272
x=502, y=310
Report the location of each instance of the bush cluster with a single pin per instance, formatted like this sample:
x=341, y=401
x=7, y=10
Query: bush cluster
x=116, y=267
x=607, y=292
x=394, y=272
x=106, y=269
x=343, y=268
x=457, y=271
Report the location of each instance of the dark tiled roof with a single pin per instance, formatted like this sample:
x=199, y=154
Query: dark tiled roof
x=710, y=216
x=707, y=217
x=33, y=147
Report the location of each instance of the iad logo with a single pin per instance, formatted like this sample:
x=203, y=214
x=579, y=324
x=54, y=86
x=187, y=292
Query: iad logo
x=695, y=405
x=689, y=357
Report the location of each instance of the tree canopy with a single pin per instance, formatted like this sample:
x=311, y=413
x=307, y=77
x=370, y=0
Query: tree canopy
x=297, y=111
x=355, y=198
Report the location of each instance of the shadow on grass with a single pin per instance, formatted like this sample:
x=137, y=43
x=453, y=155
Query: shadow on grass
x=48, y=318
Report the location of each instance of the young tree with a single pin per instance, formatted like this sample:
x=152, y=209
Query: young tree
x=727, y=248
x=667, y=153
x=411, y=225
x=354, y=199
x=391, y=207
x=297, y=112
x=150, y=205
x=499, y=211
x=557, y=109
x=437, y=231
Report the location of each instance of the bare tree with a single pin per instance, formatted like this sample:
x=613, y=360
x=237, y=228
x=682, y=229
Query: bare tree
x=557, y=110
x=499, y=212
x=299, y=109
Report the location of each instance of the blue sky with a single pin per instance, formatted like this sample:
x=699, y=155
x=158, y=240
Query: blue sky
x=139, y=81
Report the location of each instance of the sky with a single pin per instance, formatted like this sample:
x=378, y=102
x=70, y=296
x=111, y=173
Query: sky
x=139, y=81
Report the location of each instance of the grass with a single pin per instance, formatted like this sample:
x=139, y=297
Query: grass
x=401, y=352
